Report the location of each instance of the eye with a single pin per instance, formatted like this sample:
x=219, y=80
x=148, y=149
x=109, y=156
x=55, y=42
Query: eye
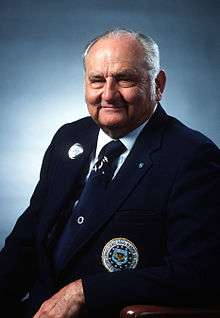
x=97, y=82
x=126, y=79
x=126, y=82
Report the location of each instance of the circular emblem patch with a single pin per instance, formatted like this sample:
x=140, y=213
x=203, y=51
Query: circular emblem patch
x=119, y=254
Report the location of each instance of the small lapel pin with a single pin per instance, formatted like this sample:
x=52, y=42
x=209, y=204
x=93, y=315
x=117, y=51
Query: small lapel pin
x=140, y=165
x=75, y=150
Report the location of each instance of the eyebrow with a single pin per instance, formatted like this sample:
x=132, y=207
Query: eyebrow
x=126, y=73
x=121, y=74
x=95, y=76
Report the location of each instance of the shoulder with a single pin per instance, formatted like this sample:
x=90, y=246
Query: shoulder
x=82, y=126
x=184, y=139
x=83, y=131
x=174, y=136
x=185, y=149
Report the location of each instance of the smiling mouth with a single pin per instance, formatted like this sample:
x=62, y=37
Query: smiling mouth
x=112, y=107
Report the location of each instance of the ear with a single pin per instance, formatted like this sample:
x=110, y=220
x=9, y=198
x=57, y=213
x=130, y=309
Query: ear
x=160, y=82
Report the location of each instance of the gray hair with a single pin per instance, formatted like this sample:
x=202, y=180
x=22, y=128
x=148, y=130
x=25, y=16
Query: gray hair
x=150, y=47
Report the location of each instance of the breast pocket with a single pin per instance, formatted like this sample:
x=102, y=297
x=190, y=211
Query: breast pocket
x=137, y=216
x=144, y=228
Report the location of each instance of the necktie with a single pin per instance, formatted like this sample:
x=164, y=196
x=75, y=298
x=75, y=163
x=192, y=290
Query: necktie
x=107, y=162
x=93, y=191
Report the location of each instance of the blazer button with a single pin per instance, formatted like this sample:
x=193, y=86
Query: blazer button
x=80, y=220
x=140, y=165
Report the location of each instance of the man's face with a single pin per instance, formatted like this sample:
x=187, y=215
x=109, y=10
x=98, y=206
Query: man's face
x=118, y=90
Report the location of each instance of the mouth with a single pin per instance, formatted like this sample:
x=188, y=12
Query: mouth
x=111, y=107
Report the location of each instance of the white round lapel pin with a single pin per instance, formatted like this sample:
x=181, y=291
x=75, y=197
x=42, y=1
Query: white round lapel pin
x=75, y=151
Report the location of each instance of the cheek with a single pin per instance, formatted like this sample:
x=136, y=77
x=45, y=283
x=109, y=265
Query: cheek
x=93, y=111
x=91, y=96
x=92, y=102
x=134, y=97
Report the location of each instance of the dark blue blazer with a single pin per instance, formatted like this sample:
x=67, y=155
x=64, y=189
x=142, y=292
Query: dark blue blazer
x=168, y=206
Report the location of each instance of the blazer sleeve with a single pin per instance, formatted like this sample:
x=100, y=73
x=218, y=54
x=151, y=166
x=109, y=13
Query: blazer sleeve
x=189, y=272
x=18, y=256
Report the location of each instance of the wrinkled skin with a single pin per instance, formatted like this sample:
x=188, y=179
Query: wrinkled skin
x=66, y=303
x=119, y=91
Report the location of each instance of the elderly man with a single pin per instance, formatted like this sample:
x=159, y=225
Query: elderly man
x=127, y=207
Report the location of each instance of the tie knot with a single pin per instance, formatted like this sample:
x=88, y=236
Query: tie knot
x=112, y=150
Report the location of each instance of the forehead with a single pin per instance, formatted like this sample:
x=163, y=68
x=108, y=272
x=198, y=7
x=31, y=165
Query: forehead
x=114, y=53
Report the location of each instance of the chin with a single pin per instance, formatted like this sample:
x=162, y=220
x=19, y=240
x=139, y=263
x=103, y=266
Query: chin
x=114, y=129
x=116, y=119
x=111, y=124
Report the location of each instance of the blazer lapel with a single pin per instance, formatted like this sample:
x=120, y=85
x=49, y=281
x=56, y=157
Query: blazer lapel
x=65, y=179
x=135, y=167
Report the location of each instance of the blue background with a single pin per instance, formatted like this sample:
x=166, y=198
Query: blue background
x=41, y=74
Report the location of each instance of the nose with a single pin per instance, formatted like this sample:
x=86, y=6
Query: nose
x=110, y=90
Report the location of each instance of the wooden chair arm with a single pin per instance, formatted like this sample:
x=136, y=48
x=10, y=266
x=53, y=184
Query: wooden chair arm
x=148, y=311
